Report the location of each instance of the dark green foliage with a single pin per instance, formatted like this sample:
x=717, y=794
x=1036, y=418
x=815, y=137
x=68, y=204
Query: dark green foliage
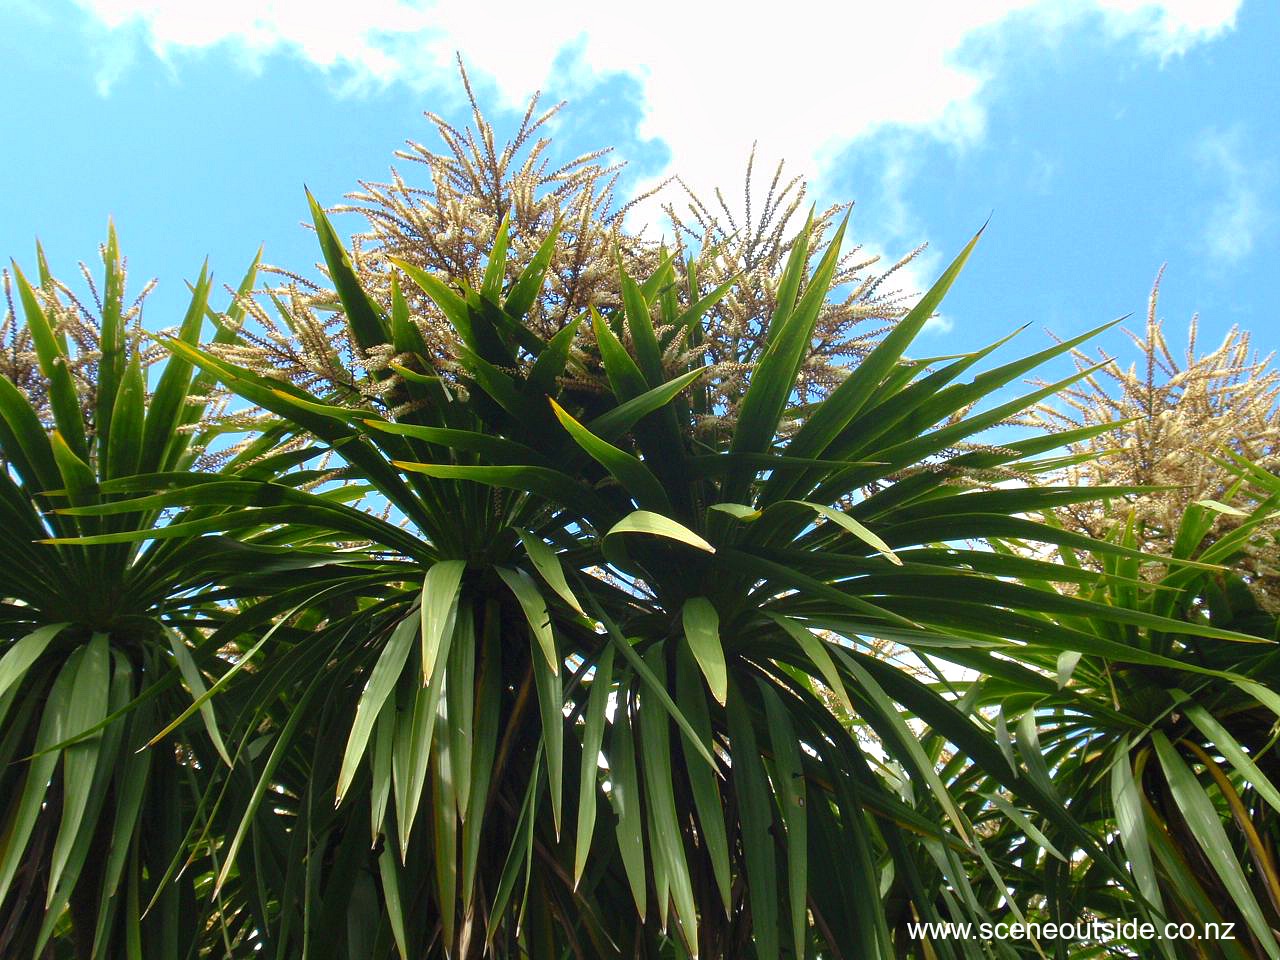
x=610, y=690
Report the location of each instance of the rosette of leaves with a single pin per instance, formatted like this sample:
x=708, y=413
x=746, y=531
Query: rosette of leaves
x=577, y=707
x=104, y=637
x=474, y=185
x=1168, y=750
x=432, y=709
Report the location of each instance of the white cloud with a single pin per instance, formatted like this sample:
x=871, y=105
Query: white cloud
x=805, y=79
x=1170, y=27
x=939, y=323
x=1236, y=219
x=805, y=82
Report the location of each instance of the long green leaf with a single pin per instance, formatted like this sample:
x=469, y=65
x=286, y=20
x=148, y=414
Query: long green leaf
x=907, y=741
x=119, y=695
x=624, y=795
x=444, y=822
x=26, y=445
x=546, y=678
x=614, y=423
x=773, y=380
x=815, y=649
x=751, y=788
x=547, y=563
x=124, y=451
x=488, y=709
x=369, y=327
x=384, y=732
x=164, y=410
x=588, y=778
x=1126, y=800
x=389, y=872
x=528, y=285
x=534, y=608
x=849, y=398
x=1206, y=825
x=111, y=363
x=415, y=743
x=382, y=679
x=655, y=524
x=79, y=763
x=846, y=522
x=519, y=853
x=460, y=697
x=53, y=729
x=19, y=657
x=667, y=841
x=702, y=631
x=553, y=484
x=702, y=778
x=440, y=591
x=625, y=378
x=130, y=786
x=195, y=683
x=658, y=690
x=496, y=269
x=1230, y=748
x=63, y=397
x=792, y=797
x=636, y=478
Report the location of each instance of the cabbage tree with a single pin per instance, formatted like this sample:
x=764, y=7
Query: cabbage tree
x=598, y=692
x=104, y=637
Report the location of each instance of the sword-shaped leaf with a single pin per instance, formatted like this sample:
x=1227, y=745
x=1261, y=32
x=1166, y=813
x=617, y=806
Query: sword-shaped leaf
x=440, y=588
x=195, y=683
x=87, y=707
x=655, y=524
x=19, y=657
x=588, y=778
x=382, y=680
x=1206, y=826
x=534, y=608
x=702, y=631
x=624, y=795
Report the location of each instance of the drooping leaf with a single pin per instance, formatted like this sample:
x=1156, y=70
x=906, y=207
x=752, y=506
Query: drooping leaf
x=655, y=524
x=702, y=631
x=439, y=605
x=87, y=706
x=624, y=795
x=751, y=788
x=546, y=677
x=195, y=683
x=702, y=778
x=535, y=612
x=19, y=657
x=588, y=779
x=1205, y=824
x=793, y=798
x=1127, y=803
x=667, y=842
x=52, y=730
x=382, y=679
x=548, y=566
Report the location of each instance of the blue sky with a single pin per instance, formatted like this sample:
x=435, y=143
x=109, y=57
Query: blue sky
x=1104, y=136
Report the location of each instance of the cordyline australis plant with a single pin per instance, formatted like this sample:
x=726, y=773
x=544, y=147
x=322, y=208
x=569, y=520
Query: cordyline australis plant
x=1171, y=753
x=1176, y=424
x=572, y=705
x=99, y=641
x=449, y=226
